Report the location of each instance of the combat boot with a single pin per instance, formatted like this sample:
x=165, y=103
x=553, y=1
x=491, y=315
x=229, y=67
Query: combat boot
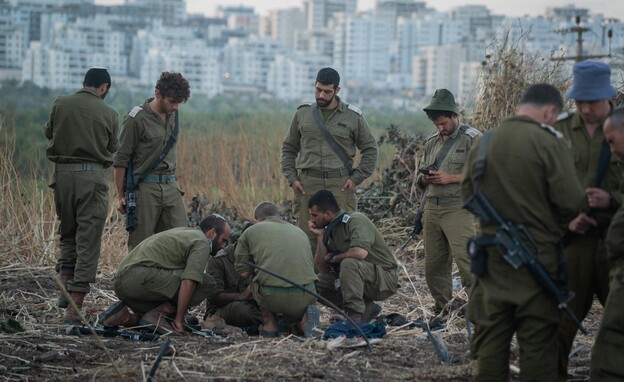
x=371, y=311
x=65, y=275
x=118, y=314
x=157, y=318
x=355, y=316
x=72, y=317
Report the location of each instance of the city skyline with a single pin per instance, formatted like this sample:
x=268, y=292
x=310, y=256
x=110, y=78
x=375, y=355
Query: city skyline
x=516, y=9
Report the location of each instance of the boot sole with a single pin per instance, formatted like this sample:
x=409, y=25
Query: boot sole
x=110, y=312
x=313, y=320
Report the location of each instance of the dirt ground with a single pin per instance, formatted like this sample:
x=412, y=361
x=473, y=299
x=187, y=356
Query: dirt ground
x=44, y=352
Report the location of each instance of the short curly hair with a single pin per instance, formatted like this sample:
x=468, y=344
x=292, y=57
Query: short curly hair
x=173, y=85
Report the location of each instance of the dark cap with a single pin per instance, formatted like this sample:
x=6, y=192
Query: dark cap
x=591, y=81
x=442, y=100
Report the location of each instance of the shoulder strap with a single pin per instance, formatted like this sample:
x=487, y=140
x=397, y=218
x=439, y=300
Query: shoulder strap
x=479, y=166
x=603, y=163
x=316, y=114
x=168, y=146
x=330, y=227
x=447, y=147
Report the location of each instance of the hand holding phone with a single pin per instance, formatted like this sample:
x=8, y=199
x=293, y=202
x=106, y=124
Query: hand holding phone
x=425, y=171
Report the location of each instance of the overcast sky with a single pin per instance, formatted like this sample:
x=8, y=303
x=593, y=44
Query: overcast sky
x=610, y=8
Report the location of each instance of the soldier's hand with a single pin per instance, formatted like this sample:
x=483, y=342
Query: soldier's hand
x=598, y=198
x=582, y=223
x=440, y=177
x=296, y=185
x=121, y=205
x=315, y=230
x=349, y=185
x=178, y=326
x=246, y=294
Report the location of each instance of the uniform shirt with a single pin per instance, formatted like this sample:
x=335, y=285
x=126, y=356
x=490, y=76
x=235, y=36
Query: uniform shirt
x=305, y=146
x=277, y=246
x=82, y=128
x=178, y=248
x=454, y=161
x=586, y=152
x=529, y=179
x=356, y=230
x=615, y=236
x=227, y=280
x=143, y=137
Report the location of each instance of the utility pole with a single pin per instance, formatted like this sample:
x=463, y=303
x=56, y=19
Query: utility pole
x=579, y=30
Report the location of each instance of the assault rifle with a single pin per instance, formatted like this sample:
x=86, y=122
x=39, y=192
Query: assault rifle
x=418, y=225
x=130, y=195
x=509, y=238
x=111, y=332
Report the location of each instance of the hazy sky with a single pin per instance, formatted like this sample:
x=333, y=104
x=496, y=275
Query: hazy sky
x=610, y=8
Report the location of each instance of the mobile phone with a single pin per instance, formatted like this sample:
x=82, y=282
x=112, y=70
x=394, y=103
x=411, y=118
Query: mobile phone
x=425, y=171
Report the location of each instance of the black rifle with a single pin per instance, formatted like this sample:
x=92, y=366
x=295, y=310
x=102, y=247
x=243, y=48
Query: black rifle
x=130, y=195
x=516, y=252
x=418, y=226
x=105, y=332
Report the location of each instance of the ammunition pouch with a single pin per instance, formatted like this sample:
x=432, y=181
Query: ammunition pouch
x=478, y=256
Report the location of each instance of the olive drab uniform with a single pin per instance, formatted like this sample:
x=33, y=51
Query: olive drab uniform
x=529, y=179
x=307, y=157
x=586, y=255
x=359, y=281
x=606, y=359
x=152, y=272
x=159, y=198
x=447, y=226
x=82, y=133
x=283, y=248
x=227, y=280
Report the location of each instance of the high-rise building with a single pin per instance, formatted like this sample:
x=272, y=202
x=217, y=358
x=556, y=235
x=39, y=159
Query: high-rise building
x=320, y=12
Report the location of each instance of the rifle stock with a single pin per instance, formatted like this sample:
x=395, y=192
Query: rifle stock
x=509, y=237
x=418, y=227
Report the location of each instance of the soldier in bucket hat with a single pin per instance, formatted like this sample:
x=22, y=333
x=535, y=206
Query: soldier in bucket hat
x=447, y=226
x=585, y=252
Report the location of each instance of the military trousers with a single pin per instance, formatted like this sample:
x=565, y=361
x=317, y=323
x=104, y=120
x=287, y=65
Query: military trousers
x=447, y=228
x=291, y=302
x=588, y=275
x=607, y=359
x=346, y=200
x=81, y=201
x=360, y=282
x=159, y=207
x=506, y=301
x=145, y=288
x=240, y=313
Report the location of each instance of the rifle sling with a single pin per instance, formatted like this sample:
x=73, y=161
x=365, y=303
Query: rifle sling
x=316, y=114
x=168, y=146
x=330, y=227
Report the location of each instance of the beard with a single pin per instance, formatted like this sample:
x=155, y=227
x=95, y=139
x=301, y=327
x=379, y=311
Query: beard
x=163, y=107
x=323, y=102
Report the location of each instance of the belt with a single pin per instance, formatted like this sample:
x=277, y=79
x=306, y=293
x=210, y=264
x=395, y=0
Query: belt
x=87, y=166
x=156, y=178
x=326, y=174
x=275, y=289
x=440, y=200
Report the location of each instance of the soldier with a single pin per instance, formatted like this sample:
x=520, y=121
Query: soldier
x=149, y=132
x=585, y=253
x=529, y=179
x=356, y=267
x=164, y=275
x=606, y=359
x=320, y=146
x=447, y=226
x=232, y=299
x=82, y=134
x=283, y=248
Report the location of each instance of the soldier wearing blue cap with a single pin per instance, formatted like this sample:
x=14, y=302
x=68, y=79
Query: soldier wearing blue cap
x=82, y=135
x=585, y=254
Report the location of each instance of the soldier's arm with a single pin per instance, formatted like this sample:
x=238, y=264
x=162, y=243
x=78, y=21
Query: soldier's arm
x=48, y=128
x=290, y=149
x=366, y=143
x=187, y=288
x=113, y=140
x=615, y=235
x=357, y=253
x=243, y=255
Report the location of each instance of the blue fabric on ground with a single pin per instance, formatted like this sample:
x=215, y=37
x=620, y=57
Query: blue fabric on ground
x=337, y=329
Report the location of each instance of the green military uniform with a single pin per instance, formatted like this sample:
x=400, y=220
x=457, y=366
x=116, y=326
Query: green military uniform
x=237, y=313
x=447, y=226
x=159, y=198
x=307, y=157
x=361, y=281
x=283, y=248
x=82, y=133
x=529, y=179
x=586, y=255
x=606, y=359
x=151, y=273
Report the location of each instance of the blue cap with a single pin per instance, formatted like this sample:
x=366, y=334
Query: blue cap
x=591, y=81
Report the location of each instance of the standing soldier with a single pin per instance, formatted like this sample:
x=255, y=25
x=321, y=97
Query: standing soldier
x=148, y=147
x=320, y=146
x=585, y=254
x=527, y=174
x=606, y=359
x=447, y=226
x=82, y=134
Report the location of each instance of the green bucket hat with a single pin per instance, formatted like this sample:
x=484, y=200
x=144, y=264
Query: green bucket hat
x=442, y=100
